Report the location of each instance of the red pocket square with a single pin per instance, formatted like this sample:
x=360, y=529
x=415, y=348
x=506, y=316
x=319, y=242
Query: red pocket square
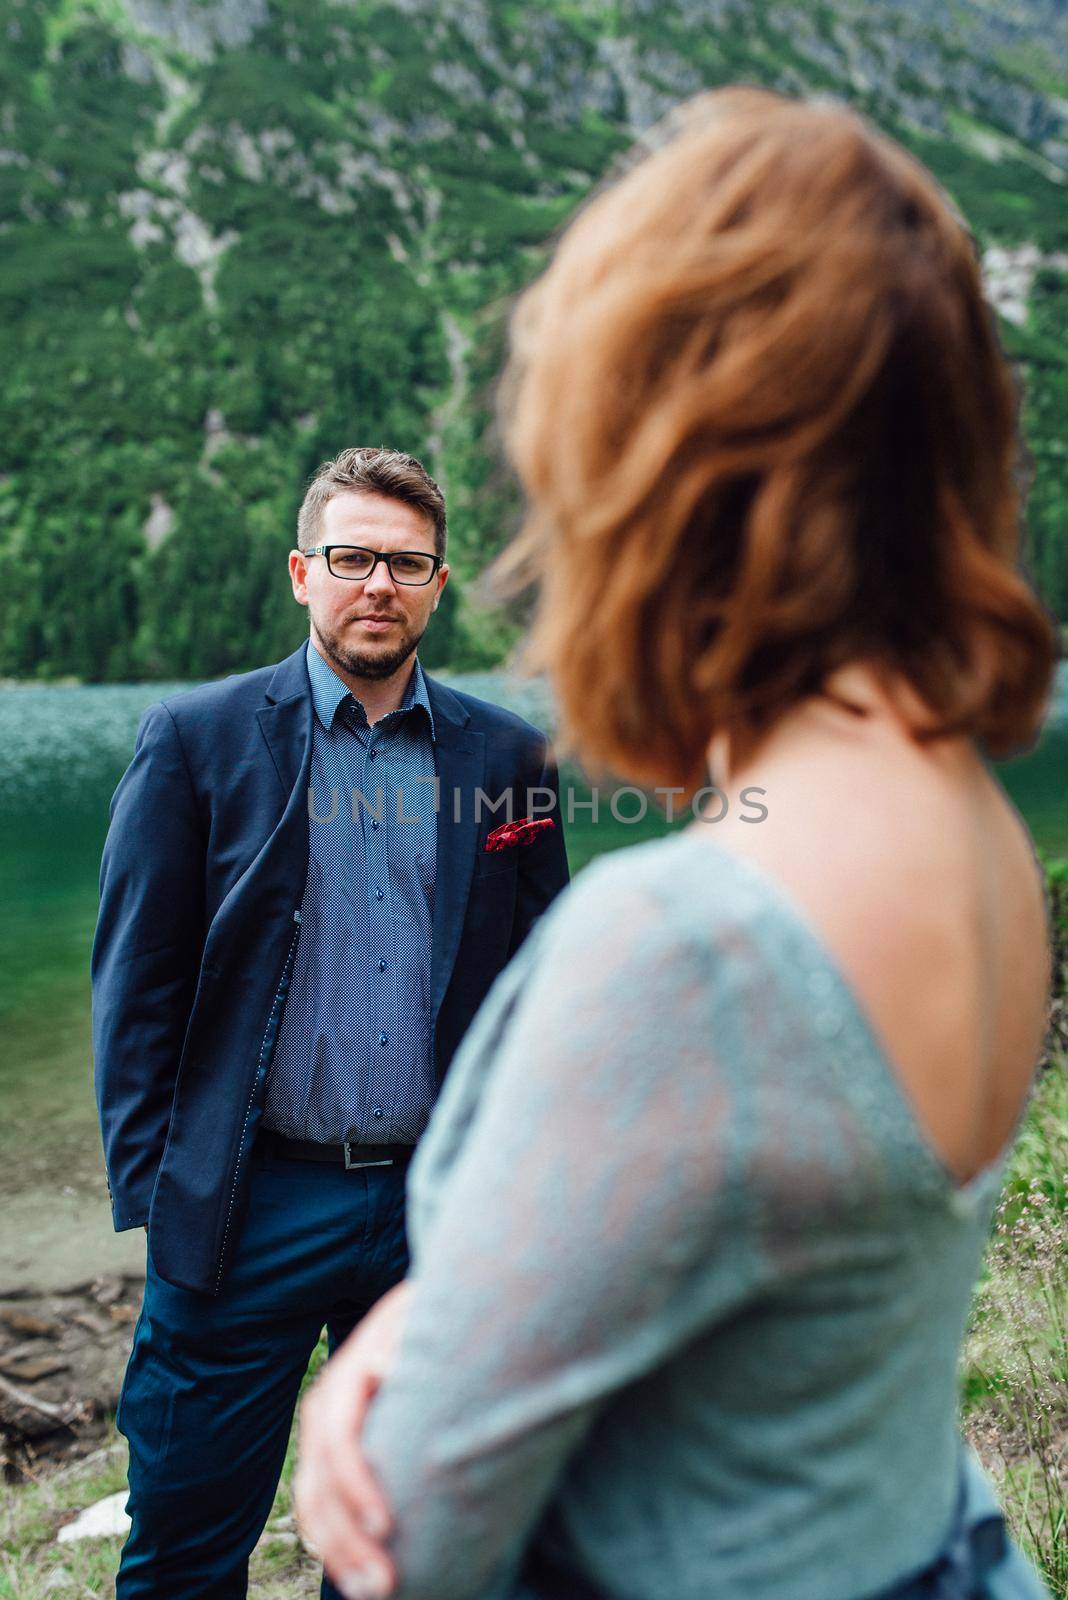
x=510, y=834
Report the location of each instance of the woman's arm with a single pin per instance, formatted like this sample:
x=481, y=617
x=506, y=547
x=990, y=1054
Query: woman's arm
x=590, y=1227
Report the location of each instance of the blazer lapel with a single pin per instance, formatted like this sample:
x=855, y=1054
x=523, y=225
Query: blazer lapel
x=460, y=758
x=286, y=720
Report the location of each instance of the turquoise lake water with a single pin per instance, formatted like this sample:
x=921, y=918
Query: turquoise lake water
x=61, y=752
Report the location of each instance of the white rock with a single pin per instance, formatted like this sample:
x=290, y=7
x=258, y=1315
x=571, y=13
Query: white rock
x=158, y=524
x=104, y=1520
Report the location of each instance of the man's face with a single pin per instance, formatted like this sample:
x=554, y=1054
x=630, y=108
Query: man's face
x=369, y=627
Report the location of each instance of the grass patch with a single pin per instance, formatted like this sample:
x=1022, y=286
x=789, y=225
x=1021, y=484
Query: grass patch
x=32, y=1564
x=1015, y=1374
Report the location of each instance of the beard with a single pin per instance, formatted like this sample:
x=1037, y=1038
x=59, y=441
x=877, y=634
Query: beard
x=367, y=664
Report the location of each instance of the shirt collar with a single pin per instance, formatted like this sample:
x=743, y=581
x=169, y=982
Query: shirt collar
x=328, y=691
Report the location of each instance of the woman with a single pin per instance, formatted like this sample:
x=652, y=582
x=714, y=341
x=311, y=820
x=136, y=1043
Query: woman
x=697, y=1220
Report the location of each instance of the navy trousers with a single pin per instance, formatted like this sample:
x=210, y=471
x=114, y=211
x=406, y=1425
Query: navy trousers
x=212, y=1383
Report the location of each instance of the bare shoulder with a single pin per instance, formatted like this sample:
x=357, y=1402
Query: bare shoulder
x=873, y=829
x=919, y=876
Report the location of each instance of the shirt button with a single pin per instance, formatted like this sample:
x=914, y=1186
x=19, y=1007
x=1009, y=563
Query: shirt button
x=372, y=754
x=378, y=894
x=381, y=966
x=376, y=1111
x=382, y=1038
x=374, y=822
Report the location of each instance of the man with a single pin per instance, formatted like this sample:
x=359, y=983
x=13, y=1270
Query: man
x=299, y=919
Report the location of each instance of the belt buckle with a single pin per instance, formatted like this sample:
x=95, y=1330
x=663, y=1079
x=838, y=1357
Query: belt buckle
x=350, y=1164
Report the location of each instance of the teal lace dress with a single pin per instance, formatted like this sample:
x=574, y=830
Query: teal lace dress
x=691, y=1284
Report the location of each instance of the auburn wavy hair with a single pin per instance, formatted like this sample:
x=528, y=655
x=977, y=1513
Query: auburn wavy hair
x=764, y=427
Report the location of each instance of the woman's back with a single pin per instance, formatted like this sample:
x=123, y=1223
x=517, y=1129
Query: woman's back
x=744, y=1233
x=919, y=876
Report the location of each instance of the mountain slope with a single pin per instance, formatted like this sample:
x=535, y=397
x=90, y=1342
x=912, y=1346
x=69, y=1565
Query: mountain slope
x=237, y=234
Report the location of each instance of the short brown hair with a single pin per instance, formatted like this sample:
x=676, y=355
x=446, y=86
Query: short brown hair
x=764, y=426
x=376, y=471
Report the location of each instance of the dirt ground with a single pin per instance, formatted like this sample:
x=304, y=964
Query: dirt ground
x=62, y=1357
x=70, y=1292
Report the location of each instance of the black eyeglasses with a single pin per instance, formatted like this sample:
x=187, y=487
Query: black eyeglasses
x=353, y=561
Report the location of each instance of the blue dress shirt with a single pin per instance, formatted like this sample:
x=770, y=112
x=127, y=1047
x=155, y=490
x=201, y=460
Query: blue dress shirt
x=354, y=1062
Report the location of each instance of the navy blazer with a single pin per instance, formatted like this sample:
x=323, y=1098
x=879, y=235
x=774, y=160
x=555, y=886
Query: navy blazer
x=200, y=888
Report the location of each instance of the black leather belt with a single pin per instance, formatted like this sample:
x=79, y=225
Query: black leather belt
x=345, y=1155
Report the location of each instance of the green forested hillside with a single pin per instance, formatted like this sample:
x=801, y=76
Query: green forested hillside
x=236, y=235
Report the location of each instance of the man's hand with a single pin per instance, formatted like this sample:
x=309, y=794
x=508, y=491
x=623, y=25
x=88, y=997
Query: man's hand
x=339, y=1506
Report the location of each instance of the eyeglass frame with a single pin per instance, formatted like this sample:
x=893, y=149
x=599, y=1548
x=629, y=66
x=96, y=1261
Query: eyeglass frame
x=379, y=555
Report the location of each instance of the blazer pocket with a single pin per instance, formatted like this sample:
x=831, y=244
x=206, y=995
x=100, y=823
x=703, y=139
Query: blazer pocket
x=490, y=863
